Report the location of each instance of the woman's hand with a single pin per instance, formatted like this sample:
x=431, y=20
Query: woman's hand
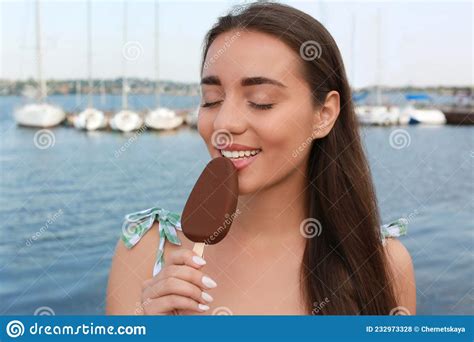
x=180, y=285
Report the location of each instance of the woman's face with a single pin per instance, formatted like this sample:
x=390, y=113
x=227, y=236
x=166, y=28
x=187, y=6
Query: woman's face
x=254, y=94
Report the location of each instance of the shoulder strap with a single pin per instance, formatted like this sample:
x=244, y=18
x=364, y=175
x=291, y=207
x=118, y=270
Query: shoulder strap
x=136, y=224
x=394, y=229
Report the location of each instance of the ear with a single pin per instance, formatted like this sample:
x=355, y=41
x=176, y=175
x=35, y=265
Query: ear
x=326, y=116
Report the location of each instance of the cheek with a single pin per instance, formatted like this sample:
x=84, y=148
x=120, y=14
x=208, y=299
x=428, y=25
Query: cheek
x=205, y=128
x=284, y=131
x=280, y=134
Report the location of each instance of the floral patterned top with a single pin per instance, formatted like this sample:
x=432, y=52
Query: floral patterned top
x=136, y=224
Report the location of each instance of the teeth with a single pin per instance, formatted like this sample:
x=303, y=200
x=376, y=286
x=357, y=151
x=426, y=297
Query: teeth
x=239, y=154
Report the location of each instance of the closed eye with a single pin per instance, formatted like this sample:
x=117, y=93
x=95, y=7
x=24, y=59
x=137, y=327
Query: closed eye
x=265, y=106
x=261, y=106
x=210, y=104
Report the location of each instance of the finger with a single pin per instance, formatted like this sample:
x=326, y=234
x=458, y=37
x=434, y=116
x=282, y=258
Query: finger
x=189, y=274
x=185, y=272
x=179, y=287
x=166, y=304
x=184, y=256
x=148, y=282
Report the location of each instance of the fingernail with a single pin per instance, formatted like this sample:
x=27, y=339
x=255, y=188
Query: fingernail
x=198, y=260
x=208, y=282
x=207, y=297
x=203, y=307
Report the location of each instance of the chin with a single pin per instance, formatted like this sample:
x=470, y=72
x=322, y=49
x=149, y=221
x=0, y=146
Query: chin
x=244, y=187
x=244, y=190
x=248, y=186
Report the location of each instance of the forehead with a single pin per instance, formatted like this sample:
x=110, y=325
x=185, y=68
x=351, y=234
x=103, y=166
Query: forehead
x=238, y=54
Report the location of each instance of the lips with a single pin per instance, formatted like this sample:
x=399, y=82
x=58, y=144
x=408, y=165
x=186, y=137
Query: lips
x=240, y=155
x=239, y=147
x=242, y=162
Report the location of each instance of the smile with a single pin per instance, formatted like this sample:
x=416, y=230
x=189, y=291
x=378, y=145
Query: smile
x=241, y=158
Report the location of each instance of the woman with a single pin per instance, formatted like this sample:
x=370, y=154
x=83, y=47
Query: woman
x=307, y=237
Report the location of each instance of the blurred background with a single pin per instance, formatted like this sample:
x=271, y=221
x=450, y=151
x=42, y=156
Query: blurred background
x=98, y=110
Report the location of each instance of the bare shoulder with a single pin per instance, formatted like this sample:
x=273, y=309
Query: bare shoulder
x=130, y=268
x=401, y=264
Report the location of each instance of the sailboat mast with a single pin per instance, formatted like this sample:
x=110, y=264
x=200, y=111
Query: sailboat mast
x=89, y=53
x=124, y=60
x=78, y=93
x=157, y=64
x=102, y=93
x=41, y=81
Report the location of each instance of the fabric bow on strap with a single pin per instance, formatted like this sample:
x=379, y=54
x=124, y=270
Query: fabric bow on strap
x=394, y=229
x=137, y=224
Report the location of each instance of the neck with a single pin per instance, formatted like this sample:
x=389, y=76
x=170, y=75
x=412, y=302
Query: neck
x=272, y=214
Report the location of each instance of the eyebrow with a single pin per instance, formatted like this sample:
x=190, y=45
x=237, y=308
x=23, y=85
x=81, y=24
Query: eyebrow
x=245, y=82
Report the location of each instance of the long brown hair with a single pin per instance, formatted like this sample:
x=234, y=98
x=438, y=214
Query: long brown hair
x=343, y=270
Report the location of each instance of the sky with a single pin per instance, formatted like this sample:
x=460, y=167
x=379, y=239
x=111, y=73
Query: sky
x=422, y=43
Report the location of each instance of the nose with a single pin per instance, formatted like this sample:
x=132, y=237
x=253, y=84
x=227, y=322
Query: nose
x=230, y=117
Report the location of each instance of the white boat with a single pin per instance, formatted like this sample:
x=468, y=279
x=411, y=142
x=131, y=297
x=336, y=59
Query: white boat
x=39, y=115
x=378, y=115
x=126, y=121
x=191, y=118
x=427, y=116
x=420, y=110
x=163, y=119
x=90, y=119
